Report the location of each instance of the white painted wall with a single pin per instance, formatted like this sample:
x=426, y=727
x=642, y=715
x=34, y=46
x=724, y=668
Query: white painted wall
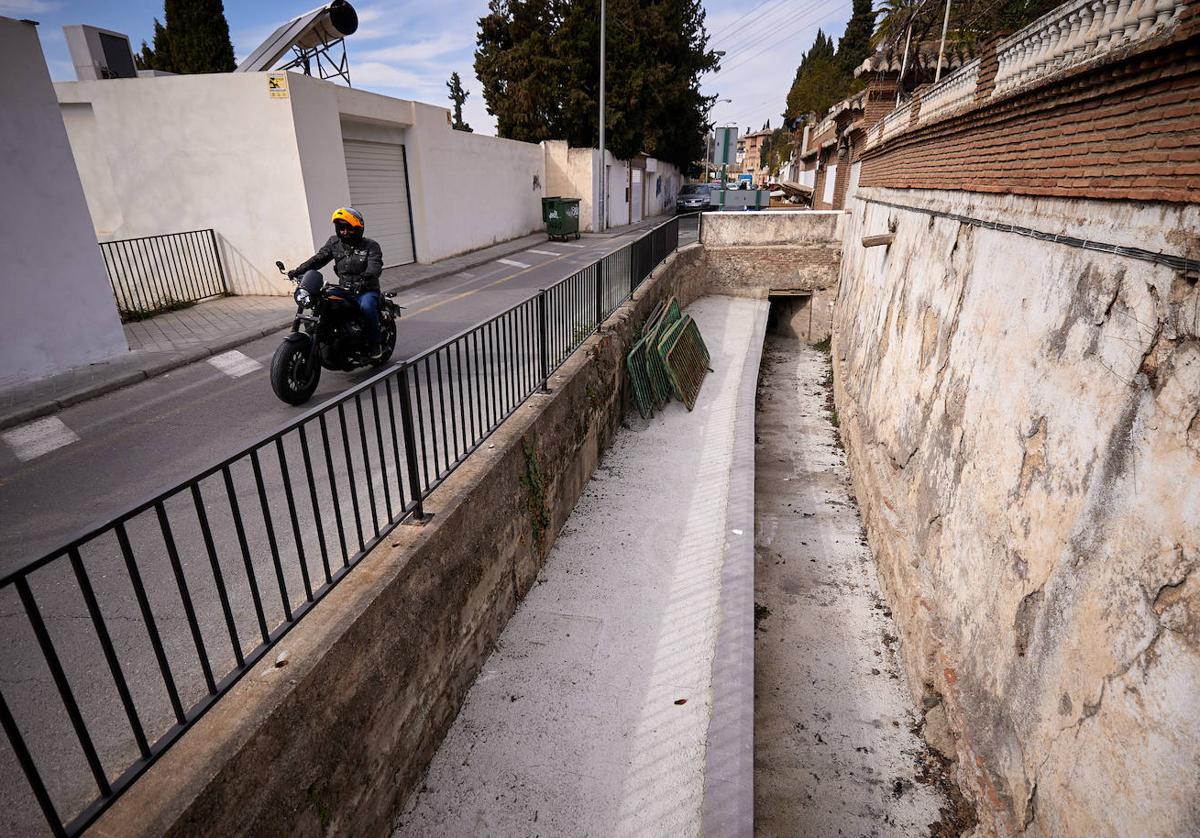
x=662, y=185
x=58, y=309
x=194, y=152
x=830, y=182
x=574, y=173
x=162, y=155
x=469, y=190
x=618, y=194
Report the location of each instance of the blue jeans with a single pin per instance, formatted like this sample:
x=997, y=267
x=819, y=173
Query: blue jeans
x=368, y=301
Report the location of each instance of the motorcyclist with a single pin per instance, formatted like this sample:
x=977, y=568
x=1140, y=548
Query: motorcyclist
x=358, y=262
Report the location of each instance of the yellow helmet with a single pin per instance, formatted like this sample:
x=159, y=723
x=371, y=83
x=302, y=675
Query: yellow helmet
x=350, y=216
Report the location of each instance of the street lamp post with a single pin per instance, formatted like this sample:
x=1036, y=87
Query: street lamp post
x=603, y=202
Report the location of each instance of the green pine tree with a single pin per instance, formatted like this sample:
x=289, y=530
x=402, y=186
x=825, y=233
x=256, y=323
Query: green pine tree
x=538, y=61
x=157, y=57
x=458, y=96
x=199, y=36
x=819, y=81
x=855, y=45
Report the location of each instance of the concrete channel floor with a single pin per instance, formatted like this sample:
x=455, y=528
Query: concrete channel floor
x=592, y=715
x=835, y=747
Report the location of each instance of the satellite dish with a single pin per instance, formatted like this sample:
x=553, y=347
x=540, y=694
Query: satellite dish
x=308, y=39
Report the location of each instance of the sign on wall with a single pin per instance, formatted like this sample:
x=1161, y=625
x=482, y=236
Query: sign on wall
x=724, y=146
x=277, y=85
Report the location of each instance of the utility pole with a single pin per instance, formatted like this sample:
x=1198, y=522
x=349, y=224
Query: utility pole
x=603, y=156
x=903, y=64
x=942, y=49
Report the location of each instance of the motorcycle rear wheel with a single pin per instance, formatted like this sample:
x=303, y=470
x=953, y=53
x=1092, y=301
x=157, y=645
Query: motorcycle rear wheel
x=291, y=378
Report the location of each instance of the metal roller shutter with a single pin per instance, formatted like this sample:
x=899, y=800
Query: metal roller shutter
x=379, y=190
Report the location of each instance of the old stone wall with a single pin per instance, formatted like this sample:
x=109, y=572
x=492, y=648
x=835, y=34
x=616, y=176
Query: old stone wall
x=758, y=254
x=1023, y=426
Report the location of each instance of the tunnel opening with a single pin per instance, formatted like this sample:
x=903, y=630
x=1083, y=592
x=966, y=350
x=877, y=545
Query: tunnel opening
x=792, y=316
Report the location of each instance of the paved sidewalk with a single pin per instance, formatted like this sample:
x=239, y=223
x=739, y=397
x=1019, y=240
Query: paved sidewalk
x=604, y=710
x=171, y=340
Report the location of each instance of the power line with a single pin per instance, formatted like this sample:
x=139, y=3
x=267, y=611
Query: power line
x=766, y=26
x=733, y=23
x=797, y=21
x=781, y=42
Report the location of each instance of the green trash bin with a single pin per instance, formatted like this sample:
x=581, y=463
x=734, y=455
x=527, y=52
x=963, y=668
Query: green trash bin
x=561, y=216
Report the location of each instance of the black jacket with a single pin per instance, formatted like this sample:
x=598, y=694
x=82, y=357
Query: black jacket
x=357, y=266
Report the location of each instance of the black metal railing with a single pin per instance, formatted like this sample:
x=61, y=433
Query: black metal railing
x=161, y=273
x=118, y=641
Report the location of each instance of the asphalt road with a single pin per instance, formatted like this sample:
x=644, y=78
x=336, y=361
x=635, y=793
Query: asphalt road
x=141, y=440
x=144, y=438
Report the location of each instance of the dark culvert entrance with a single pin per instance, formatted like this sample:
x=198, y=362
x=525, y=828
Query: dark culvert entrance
x=792, y=316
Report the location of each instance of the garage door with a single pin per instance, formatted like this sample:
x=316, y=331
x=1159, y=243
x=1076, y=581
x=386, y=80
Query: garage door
x=379, y=190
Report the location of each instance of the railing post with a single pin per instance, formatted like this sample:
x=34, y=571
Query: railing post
x=632, y=271
x=544, y=343
x=220, y=266
x=599, y=293
x=410, y=445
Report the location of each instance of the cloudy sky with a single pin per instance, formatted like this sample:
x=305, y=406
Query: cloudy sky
x=408, y=48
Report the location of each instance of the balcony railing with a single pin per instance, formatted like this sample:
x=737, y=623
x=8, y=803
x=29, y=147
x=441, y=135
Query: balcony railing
x=1072, y=34
x=954, y=93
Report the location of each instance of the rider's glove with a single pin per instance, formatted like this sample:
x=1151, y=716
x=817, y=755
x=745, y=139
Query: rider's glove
x=292, y=274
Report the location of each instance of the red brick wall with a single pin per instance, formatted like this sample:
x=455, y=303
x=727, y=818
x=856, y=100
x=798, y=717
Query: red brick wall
x=881, y=100
x=1129, y=129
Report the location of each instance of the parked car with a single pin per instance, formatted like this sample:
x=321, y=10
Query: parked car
x=693, y=197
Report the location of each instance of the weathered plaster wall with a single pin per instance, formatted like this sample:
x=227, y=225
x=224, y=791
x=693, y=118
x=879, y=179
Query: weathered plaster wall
x=1023, y=422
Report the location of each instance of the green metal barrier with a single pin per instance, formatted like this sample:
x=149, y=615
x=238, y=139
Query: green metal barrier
x=670, y=359
x=686, y=360
x=643, y=392
x=655, y=366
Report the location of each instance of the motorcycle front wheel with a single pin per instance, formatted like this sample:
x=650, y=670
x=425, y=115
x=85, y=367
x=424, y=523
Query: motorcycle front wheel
x=291, y=377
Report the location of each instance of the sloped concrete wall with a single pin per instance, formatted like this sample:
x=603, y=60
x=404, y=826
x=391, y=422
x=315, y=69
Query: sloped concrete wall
x=58, y=310
x=1023, y=423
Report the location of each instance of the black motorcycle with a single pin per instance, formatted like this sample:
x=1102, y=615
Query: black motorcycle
x=333, y=335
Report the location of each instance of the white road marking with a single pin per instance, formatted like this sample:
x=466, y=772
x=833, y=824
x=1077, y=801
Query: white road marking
x=568, y=244
x=512, y=262
x=234, y=364
x=544, y=252
x=41, y=436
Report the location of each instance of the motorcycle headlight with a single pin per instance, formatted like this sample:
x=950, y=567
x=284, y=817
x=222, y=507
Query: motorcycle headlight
x=301, y=297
